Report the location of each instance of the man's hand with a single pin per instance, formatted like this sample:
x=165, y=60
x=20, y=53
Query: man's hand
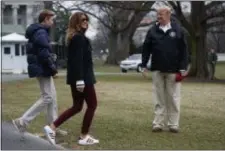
x=181, y=75
x=55, y=76
x=80, y=88
x=144, y=72
x=53, y=69
x=184, y=73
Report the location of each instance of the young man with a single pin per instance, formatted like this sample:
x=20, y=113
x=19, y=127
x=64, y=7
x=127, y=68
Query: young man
x=41, y=65
x=212, y=59
x=166, y=44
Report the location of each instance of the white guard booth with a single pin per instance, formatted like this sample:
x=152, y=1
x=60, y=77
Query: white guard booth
x=14, y=58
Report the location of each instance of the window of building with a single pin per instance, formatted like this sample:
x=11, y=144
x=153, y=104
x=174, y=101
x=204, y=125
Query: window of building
x=19, y=21
x=7, y=15
x=23, y=50
x=17, y=49
x=7, y=50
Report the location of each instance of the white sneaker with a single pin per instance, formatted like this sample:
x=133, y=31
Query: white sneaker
x=50, y=134
x=88, y=140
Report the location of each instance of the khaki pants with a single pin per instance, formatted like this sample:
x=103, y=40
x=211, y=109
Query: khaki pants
x=46, y=101
x=166, y=96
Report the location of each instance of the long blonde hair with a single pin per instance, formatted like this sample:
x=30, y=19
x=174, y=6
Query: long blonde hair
x=74, y=25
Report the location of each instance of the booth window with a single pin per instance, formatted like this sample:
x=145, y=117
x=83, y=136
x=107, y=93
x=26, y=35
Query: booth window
x=7, y=50
x=17, y=49
x=23, y=50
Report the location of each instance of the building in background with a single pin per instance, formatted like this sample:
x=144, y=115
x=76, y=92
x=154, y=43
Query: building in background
x=17, y=15
x=13, y=54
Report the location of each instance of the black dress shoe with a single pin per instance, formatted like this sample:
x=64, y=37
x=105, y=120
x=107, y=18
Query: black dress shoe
x=174, y=130
x=157, y=129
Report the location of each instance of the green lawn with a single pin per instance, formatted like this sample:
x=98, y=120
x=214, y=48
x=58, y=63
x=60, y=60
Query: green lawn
x=220, y=70
x=103, y=68
x=106, y=68
x=100, y=67
x=125, y=112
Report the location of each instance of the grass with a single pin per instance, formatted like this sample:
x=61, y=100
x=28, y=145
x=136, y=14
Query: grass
x=104, y=68
x=220, y=70
x=99, y=66
x=125, y=113
x=107, y=68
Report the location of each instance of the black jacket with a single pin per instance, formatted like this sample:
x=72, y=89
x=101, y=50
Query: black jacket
x=79, y=64
x=168, y=50
x=212, y=57
x=40, y=62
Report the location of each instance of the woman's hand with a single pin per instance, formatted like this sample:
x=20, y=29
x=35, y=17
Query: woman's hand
x=80, y=86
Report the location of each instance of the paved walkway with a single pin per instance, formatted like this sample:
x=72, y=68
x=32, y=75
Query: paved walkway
x=14, y=140
x=13, y=77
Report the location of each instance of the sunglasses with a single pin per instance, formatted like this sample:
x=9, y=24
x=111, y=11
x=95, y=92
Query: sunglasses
x=84, y=19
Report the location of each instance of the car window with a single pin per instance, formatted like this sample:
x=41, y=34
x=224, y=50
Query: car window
x=135, y=57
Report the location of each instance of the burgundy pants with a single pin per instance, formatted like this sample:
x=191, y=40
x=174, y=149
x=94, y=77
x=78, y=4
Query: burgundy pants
x=89, y=96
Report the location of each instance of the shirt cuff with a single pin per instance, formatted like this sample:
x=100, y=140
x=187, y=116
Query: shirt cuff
x=80, y=83
x=182, y=72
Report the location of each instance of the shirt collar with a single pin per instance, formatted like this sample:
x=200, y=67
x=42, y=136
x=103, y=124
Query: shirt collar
x=166, y=26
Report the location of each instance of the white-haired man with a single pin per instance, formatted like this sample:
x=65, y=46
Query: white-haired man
x=166, y=43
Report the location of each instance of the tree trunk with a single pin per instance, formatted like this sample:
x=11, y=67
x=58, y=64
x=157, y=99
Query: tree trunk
x=119, y=47
x=199, y=65
x=193, y=70
x=112, y=48
x=201, y=53
x=123, y=46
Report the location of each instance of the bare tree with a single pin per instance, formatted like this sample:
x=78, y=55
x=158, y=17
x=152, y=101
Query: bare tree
x=216, y=40
x=203, y=17
x=122, y=19
x=100, y=42
x=49, y=5
x=61, y=23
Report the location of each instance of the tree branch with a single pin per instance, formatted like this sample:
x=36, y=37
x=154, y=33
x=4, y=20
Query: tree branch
x=135, y=17
x=214, y=15
x=88, y=12
x=213, y=4
x=179, y=7
x=173, y=4
x=119, y=19
x=216, y=31
x=180, y=16
x=215, y=24
x=122, y=5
